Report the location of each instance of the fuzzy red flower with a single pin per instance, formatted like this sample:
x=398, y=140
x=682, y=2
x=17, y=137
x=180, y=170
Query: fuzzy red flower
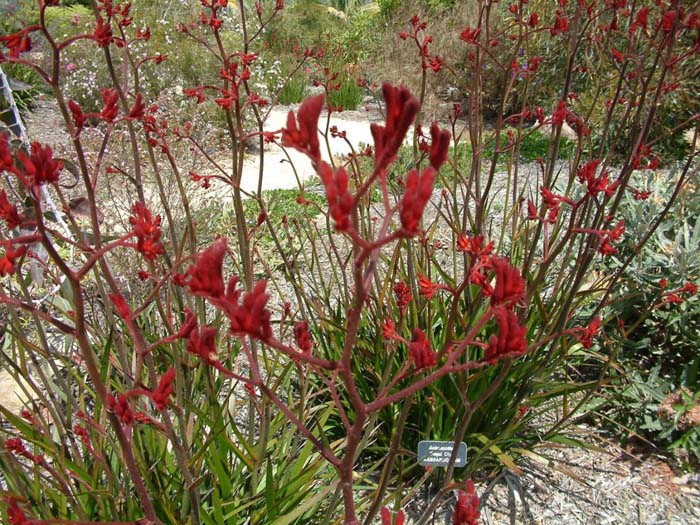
x=470, y=35
x=18, y=43
x=165, y=389
x=419, y=189
x=302, y=131
x=389, y=330
x=585, y=335
x=202, y=343
x=510, y=340
x=79, y=118
x=474, y=246
x=340, y=201
x=103, y=33
x=302, y=336
x=467, y=507
x=427, y=288
x=439, y=147
x=403, y=294
x=205, y=275
x=561, y=25
x=606, y=248
x=40, y=167
x=510, y=286
x=147, y=231
x=8, y=212
x=138, y=110
x=401, y=109
x=120, y=407
x=420, y=351
x=110, y=97
x=7, y=263
x=251, y=317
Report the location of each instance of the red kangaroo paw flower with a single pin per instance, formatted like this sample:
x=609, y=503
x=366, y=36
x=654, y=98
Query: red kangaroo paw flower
x=120, y=407
x=161, y=395
x=15, y=514
x=427, y=288
x=340, y=200
x=419, y=189
x=305, y=137
x=402, y=292
x=585, y=335
x=439, y=147
x=79, y=118
x=205, y=275
x=401, y=109
x=18, y=43
x=250, y=317
x=510, y=286
x=147, y=231
x=302, y=336
x=420, y=351
x=110, y=97
x=8, y=212
x=40, y=167
x=467, y=507
x=386, y=517
x=103, y=33
x=510, y=340
x=7, y=263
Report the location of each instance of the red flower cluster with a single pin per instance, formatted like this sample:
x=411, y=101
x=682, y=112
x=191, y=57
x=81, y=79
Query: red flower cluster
x=249, y=317
x=467, y=508
x=120, y=407
x=301, y=132
x=420, y=351
x=596, y=185
x=302, y=336
x=39, y=167
x=7, y=263
x=675, y=296
x=161, y=395
x=419, y=189
x=389, y=330
x=402, y=292
x=439, y=146
x=433, y=62
x=340, y=201
x=401, y=109
x=510, y=341
x=206, y=275
x=15, y=446
x=586, y=335
x=201, y=342
x=427, y=288
x=147, y=231
x=510, y=286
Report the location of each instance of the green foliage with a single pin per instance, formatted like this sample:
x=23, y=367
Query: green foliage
x=661, y=355
x=294, y=90
x=26, y=86
x=349, y=95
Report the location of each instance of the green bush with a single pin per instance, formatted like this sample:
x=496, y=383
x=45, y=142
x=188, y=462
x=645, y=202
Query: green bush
x=661, y=355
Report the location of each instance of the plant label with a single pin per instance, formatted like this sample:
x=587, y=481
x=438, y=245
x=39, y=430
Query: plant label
x=438, y=453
